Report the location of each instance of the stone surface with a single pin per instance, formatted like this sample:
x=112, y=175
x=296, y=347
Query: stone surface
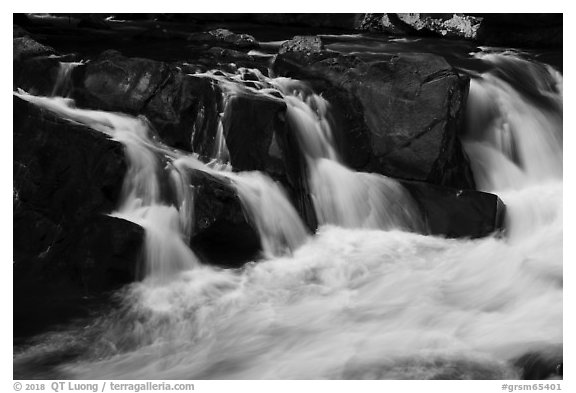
x=66, y=171
x=302, y=44
x=405, y=112
x=115, y=82
x=25, y=47
x=456, y=213
x=525, y=30
x=182, y=108
x=224, y=38
x=222, y=234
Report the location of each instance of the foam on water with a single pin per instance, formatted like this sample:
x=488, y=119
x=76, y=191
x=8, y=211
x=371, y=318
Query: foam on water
x=362, y=298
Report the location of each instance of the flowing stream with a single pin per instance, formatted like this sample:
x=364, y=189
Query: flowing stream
x=367, y=296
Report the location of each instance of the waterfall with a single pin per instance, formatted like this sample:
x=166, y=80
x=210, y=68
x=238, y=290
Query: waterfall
x=341, y=196
x=63, y=83
x=168, y=227
x=514, y=140
x=366, y=297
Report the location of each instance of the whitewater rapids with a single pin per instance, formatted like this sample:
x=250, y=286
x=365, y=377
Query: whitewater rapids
x=360, y=301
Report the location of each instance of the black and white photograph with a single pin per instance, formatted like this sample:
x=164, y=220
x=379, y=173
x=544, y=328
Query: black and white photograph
x=287, y=196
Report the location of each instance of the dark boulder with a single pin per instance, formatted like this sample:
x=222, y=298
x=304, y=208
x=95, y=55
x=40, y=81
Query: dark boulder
x=255, y=127
x=64, y=170
x=546, y=363
x=456, y=213
x=406, y=112
x=222, y=235
x=74, y=275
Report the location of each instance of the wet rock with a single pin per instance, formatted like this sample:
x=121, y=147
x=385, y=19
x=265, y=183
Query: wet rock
x=107, y=250
x=36, y=75
x=115, y=82
x=222, y=234
x=525, y=30
x=543, y=364
x=224, y=38
x=182, y=108
x=444, y=25
x=302, y=44
x=405, y=113
x=25, y=47
x=185, y=112
x=456, y=213
x=64, y=170
x=258, y=138
x=253, y=125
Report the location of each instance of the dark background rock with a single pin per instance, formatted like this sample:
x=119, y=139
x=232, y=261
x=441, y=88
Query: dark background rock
x=523, y=30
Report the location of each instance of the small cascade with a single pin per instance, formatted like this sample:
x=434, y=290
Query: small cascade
x=63, y=85
x=510, y=131
x=280, y=228
x=514, y=140
x=341, y=196
x=166, y=252
x=168, y=227
x=394, y=303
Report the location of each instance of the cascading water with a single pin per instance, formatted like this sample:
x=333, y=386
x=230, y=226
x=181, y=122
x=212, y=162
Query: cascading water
x=354, y=301
x=63, y=83
x=341, y=196
x=514, y=139
x=167, y=226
